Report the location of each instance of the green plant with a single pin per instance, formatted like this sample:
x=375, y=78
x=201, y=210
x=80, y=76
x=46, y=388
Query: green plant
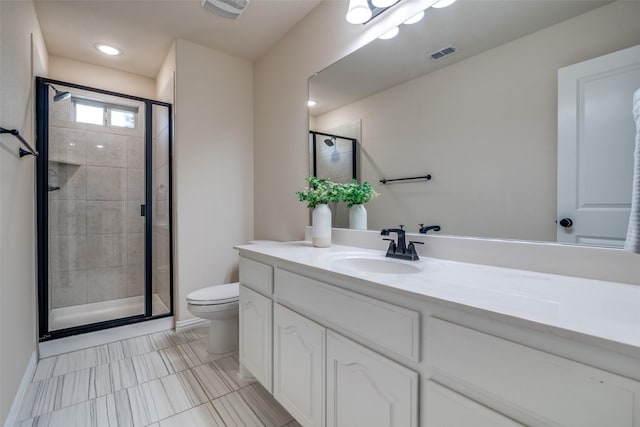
x=320, y=191
x=357, y=194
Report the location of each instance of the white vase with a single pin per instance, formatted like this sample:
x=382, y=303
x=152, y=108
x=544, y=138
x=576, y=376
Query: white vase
x=358, y=217
x=321, y=226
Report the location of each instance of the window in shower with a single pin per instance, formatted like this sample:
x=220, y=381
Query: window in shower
x=104, y=209
x=104, y=114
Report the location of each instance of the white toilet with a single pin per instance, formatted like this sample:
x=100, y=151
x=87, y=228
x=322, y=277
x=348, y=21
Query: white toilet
x=219, y=304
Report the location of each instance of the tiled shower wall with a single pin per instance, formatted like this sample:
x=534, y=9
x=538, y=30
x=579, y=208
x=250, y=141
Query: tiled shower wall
x=96, y=240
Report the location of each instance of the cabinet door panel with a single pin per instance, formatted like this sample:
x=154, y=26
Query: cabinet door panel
x=299, y=366
x=255, y=335
x=446, y=408
x=365, y=389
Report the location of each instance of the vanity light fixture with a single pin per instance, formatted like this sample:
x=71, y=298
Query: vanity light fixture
x=443, y=3
x=416, y=18
x=107, y=49
x=390, y=34
x=311, y=103
x=358, y=12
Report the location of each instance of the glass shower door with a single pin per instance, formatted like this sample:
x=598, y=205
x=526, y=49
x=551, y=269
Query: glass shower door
x=96, y=174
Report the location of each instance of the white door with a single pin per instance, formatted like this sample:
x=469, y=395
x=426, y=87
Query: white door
x=255, y=335
x=596, y=136
x=299, y=366
x=365, y=389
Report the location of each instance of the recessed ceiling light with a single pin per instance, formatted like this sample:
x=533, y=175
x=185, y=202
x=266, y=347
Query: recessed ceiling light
x=390, y=34
x=416, y=18
x=108, y=50
x=443, y=3
x=311, y=103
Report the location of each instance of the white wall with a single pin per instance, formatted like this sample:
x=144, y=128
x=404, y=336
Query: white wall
x=485, y=128
x=165, y=80
x=18, y=65
x=280, y=96
x=95, y=76
x=213, y=167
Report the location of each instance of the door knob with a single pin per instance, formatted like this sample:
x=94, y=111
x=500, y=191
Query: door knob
x=566, y=222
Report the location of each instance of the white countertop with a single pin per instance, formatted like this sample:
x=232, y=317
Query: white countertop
x=600, y=309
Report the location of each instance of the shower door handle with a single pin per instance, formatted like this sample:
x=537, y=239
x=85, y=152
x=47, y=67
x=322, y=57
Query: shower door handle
x=143, y=210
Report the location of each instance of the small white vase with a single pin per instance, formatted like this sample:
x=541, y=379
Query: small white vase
x=358, y=217
x=321, y=226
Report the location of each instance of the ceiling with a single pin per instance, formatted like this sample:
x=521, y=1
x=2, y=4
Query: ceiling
x=472, y=26
x=145, y=29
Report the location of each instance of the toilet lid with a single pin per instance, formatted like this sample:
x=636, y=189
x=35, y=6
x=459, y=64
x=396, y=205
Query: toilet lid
x=219, y=294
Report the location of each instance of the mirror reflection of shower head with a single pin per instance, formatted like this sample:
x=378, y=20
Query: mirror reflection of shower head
x=59, y=96
x=330, y=141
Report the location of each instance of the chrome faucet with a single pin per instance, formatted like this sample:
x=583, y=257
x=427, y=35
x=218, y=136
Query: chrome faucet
x=400, y=249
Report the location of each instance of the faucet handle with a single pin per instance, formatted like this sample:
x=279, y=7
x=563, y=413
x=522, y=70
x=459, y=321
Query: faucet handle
x=411, y=251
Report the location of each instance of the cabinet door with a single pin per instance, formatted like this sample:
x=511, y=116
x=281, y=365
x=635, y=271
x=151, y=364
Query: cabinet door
x=446, y=408
x=299, y=366
x=255, y=335
x=365, y=389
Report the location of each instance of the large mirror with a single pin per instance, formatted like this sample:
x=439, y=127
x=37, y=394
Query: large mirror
x=484, y=120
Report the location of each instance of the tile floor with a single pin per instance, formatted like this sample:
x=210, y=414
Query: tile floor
x=164, y=379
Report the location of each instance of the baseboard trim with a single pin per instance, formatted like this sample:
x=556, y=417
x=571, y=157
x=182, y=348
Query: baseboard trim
x=105, y=336
x=22, y=390
x=183, y=325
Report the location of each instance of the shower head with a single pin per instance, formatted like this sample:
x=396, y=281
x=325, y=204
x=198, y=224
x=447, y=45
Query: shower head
x=59, y=96
x=330, y=141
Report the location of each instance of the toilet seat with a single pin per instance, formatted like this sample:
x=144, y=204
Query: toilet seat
x=215, y=295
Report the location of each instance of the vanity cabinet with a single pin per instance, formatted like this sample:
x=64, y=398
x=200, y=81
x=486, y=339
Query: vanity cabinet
x=346, y=354
x=367, y=389
x=299, y=366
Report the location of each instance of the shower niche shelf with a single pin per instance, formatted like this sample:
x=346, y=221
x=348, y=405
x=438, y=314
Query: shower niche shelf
x=65, y=162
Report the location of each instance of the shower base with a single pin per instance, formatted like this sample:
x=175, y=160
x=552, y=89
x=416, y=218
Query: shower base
x=78, y=315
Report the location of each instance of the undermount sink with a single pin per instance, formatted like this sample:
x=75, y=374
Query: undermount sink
x=375, y=265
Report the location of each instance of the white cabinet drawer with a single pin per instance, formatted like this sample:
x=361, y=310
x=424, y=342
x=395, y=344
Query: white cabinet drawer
x=548, y=388
x=446, y=408
x=256, y=275
x=394, y=328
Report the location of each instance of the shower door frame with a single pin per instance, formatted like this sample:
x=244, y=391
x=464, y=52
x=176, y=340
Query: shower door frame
x=42, y=212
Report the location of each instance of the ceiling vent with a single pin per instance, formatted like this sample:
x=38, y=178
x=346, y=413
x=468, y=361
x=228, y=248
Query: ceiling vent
x=449, y=50
x=228, y=8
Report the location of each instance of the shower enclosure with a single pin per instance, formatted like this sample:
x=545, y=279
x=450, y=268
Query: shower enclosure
x=104, y=209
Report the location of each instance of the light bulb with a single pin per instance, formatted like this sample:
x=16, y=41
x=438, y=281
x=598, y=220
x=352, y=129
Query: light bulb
x=390, y=34
x=358, y=12
x=416, y=18
x=311, y=103
x=383, y=3
x=443, y=3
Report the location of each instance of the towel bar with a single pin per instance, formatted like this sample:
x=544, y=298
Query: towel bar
x=21, y=151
